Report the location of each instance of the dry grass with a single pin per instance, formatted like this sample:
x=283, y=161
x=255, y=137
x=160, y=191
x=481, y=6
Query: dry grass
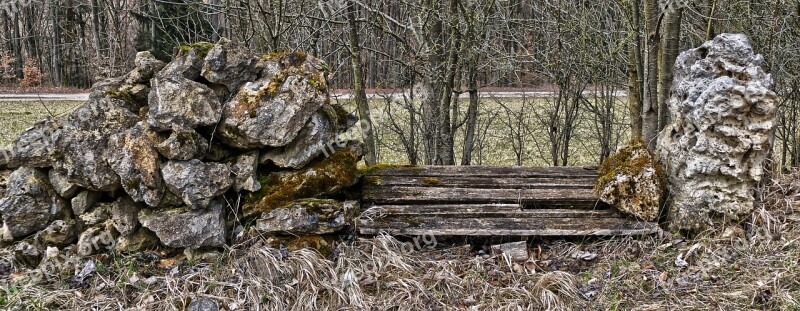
x=759, y=271
x=16, y=116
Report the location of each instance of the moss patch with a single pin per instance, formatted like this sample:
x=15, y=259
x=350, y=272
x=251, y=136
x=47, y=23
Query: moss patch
x=327, y=176
x=203, y=48
x=622, y=162
x=431, y=181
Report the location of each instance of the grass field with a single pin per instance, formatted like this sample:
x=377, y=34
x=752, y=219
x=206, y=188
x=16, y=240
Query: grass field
x=16, y=116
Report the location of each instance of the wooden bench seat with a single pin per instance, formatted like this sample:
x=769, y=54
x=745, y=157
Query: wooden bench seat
x=490, y=200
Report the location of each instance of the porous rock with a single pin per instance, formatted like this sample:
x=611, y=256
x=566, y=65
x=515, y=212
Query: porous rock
x=62, y=185
x=135, y=160
x=59, y=233
x=84, y=201
x=723, y=122
x=197, y=182
x=310, y=143
x=27, y=254
x=183, y=145
x=98, y=214
x=230, y=64
x=35, y=147
x=96, y=239
x=245, y=170
x=124, y=214
x=308, y=216
x=140, y=240
x=30, y=204
x=183, y=227
x=272, y=110
x=632, y=181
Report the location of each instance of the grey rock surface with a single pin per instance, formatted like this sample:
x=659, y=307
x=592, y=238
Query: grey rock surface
x=133, y=157
x=61, y=184
x=230, y=64
x=30, y=204
x=723, y=121
x=308, y=216
x=183, y=227
x=197, y=182
x=245, y=172
x=183, y=145
x=84, y=202
x=309, y=143
x=59, y=233
x=124, y=214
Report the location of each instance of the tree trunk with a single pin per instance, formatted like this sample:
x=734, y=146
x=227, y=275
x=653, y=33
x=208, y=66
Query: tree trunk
x=96, y=28
x=472, y=115
x=358, y=84
x=669, y=51
x=650, y=103
x=635, y=73
x=17, y=47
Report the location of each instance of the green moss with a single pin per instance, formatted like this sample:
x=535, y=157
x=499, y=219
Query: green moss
x=323, y=177
x=624, y=163
x=203, y=48
x=380, y=167
x=431, y=181
x=291, y=58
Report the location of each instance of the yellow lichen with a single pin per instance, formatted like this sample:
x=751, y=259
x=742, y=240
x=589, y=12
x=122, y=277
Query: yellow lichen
x=203, y=48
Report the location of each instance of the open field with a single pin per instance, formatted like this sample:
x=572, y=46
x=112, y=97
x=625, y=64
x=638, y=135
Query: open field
x=16, y=116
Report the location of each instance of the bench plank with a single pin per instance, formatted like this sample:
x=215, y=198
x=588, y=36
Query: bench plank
x=482, y=182
x=485, y=171
x=578, y=197
x=485, y=210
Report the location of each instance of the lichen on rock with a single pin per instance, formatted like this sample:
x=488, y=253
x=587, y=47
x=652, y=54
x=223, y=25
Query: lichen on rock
x=723, y=120
x=632, y=181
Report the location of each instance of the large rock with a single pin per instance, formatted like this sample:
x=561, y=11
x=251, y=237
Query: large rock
x=30, y=204
x=272, y=110
x=318, y=134
x=197, y=182
x=723, y=119
x=134, y=158
x=35, y=146
x=59, y=233
x=633, y=182
x=327, y=176
x=308, y=216
x=176, y=102
x=183, y=145
x=182, y=227
x=4, y=175
x=229, y=64
x=146, y=65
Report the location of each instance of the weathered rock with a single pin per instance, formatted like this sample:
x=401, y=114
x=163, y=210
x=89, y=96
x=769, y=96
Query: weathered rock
x=138, y=241
x=229, y=64
x=183, y=145
x=96, y=239
x=245, y=170
x=723, y=119
x=30, y=204
x=327, y=176
x=197, y=182
x=4, y=175
x=308, y=216
x=182, y=227
x=84, y=201
x=272, y=110
x=203, y=304
x=177, y=102
x=82, y=161
x=320, y=131
x=27, y=254
x=135, y=160
x=59, y=233
x=63, y=187
x=632, y=181
x=99, y=214
x=146, y=65
x=124, y=213
x=35, y=146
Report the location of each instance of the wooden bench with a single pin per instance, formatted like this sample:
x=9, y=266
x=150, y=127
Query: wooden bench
x=488, y=201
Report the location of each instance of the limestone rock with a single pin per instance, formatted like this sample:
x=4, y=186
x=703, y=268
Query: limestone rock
x=27, y=254
x=181, y=103
x=183, y=145
x=61, y=184
x=633, y=182
x=124, y=214
x=272, y=110
x=327, y=176
x=4, y=175
x=83, y=162
x=197, y=182
x=138, y=241
x=35, y=146
x=203, y=304
x=308, y=216
x=723, y=120
x=59, y=233
x=30, y=204
x=320, y=131
x=134, y=159
x=182, y=227
x=245, y=171
x=230, y=64
x=146, y=65
x=97, y=239
x=99, y=214
x=84, y=201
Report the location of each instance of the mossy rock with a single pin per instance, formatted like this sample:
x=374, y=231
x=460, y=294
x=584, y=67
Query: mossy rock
x=327, y=176
x=633, y=181
x=203, y=48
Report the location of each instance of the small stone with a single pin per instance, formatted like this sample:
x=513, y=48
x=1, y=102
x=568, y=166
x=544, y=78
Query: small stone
x=197, y=182
x=124, y=213
x=245, y=169
x=308, y=216
x=84, y=201
x=632, y=181
x=145, y=66
x=27, y=254
x=62, y=185
x=183, y=145
x=30, y=204
x=201, y=255
x=96, y=239
x=203, y=304
x=97, y=215
x=138, y=241
x=517, y=251
x=59, y=233
x=182, y=227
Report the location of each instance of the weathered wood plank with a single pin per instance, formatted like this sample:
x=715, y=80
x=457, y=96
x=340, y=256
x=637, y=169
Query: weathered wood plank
x=419, y=225
x=485, y=171
x=485, y=210
x=403, y=194
x=482, y=182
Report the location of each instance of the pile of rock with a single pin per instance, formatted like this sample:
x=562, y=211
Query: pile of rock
x=175, y=153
